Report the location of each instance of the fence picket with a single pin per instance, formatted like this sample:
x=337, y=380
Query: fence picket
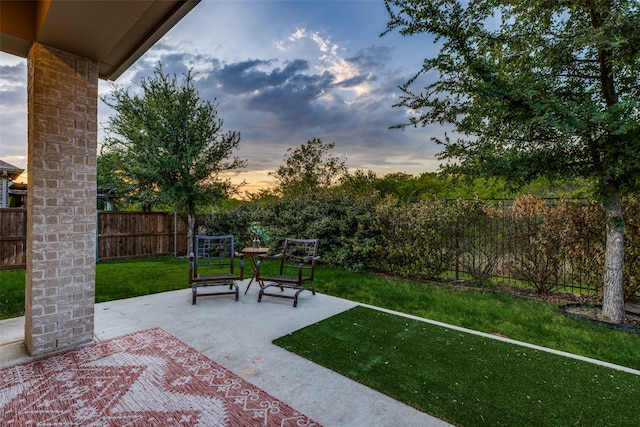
x=120, y=235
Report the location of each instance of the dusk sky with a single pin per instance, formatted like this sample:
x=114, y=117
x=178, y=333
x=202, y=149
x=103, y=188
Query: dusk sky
x=282, y=73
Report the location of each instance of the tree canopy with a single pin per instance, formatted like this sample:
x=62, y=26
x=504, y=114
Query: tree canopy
x=166, y=144
x=534, y=88
x=309, y=168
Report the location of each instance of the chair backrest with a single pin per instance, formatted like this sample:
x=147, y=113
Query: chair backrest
x=214, y=254
x=297, y=252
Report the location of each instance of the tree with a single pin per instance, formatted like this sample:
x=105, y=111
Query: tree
x=532, y=88
x=170, y=144
x=359, y=183
x=309, y=168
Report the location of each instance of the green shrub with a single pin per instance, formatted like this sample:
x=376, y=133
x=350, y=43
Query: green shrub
x=411, y=239
x=341, y=223
x=546, y=246
x=631, y=275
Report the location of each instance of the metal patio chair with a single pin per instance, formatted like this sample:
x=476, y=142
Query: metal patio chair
x=213, y=265
x=297, y=268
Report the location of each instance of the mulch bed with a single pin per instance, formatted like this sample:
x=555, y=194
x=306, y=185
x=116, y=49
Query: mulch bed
x=593, y=314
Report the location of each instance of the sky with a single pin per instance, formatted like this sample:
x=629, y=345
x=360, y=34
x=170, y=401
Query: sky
x=281, y=73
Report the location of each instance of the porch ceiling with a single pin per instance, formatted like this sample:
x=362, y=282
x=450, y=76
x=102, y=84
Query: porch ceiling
x=114, y=33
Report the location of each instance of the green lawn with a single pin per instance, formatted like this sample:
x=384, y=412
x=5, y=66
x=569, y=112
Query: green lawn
x=467, y=379
x=521, y=319
x=463, y=378
x=525, y=320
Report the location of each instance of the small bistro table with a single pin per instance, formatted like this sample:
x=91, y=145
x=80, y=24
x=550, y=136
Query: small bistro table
x=252, y=254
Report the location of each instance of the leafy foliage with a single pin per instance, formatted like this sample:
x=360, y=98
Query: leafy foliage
x=548, y=245
x=535, y=88
x=309, y=168
x=537, y=258
x=166, y=144
x=411, y=239
x=342, y=224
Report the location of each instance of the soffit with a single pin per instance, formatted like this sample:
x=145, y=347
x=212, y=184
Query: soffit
x=113, y=33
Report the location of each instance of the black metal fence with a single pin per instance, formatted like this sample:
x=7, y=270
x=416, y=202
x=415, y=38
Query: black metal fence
x=548, y=245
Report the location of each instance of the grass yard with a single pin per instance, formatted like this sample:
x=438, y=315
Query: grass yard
x=466, y=379
x=531, y=321
x=525, y=320
x=114, y=280
x=11, y=293
x=462, y=378
x=136, y=277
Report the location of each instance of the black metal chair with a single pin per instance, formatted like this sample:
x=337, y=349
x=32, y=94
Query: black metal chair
x=297, y=268
x=213, y=265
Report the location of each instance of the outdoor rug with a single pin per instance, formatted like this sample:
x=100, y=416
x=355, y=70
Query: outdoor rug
x=147, y=378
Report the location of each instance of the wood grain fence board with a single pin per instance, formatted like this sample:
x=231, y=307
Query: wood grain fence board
x=139, y=234
x=13, y=238
x=121, y=235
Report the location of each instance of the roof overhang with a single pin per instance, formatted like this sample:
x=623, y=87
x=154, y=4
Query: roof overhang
x=113, y=33
x=9, y=171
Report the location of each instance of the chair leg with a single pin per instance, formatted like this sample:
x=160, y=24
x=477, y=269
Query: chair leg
x=295, y=297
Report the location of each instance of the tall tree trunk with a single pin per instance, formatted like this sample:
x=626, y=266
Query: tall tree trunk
x=191, y=223
x=613, y=292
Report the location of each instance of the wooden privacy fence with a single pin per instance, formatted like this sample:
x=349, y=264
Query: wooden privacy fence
x=13, y=238
x=140, y=234
x=120, y=235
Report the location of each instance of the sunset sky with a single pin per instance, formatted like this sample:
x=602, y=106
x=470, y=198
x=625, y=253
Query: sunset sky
x=282, y=73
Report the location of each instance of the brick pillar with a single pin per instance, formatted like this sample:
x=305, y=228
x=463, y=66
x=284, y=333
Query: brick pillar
x=61, y=199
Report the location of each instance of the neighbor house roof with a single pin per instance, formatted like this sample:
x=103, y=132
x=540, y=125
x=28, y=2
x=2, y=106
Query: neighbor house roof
x=12, y=171
x=113, y=33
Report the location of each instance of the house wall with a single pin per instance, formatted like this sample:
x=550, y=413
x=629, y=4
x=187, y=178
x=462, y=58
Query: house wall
x=61, y=207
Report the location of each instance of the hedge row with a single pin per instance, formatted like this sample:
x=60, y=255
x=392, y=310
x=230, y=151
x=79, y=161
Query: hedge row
x=547, y=246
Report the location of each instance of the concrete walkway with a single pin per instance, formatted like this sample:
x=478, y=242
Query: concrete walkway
x=238, y=335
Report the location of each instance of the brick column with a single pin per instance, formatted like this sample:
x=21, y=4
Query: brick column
x=61, y=199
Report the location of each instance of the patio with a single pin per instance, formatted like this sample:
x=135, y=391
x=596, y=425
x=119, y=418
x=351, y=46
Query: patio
x=238, y=336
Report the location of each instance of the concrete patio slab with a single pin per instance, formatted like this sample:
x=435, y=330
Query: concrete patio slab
x=238, y=335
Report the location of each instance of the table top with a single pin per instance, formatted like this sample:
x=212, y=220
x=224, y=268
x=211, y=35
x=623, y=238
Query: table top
x=251, y=250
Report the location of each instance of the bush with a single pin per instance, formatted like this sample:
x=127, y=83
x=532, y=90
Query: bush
x=342, y=224
x=479, y=239
x=632, y=249
x=547, y=246
x=536, y=258
x=411, y=238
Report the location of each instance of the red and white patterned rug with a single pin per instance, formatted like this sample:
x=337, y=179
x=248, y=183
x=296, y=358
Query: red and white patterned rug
x=147, y=378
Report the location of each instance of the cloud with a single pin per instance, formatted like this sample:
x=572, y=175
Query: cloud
x=279, y=104
x=298, y=34
x=288, y=85
x=12, y=76
x=296, y=92
x=247, y=76
x=373, y=57
x=324, y=45
x=13, y=113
